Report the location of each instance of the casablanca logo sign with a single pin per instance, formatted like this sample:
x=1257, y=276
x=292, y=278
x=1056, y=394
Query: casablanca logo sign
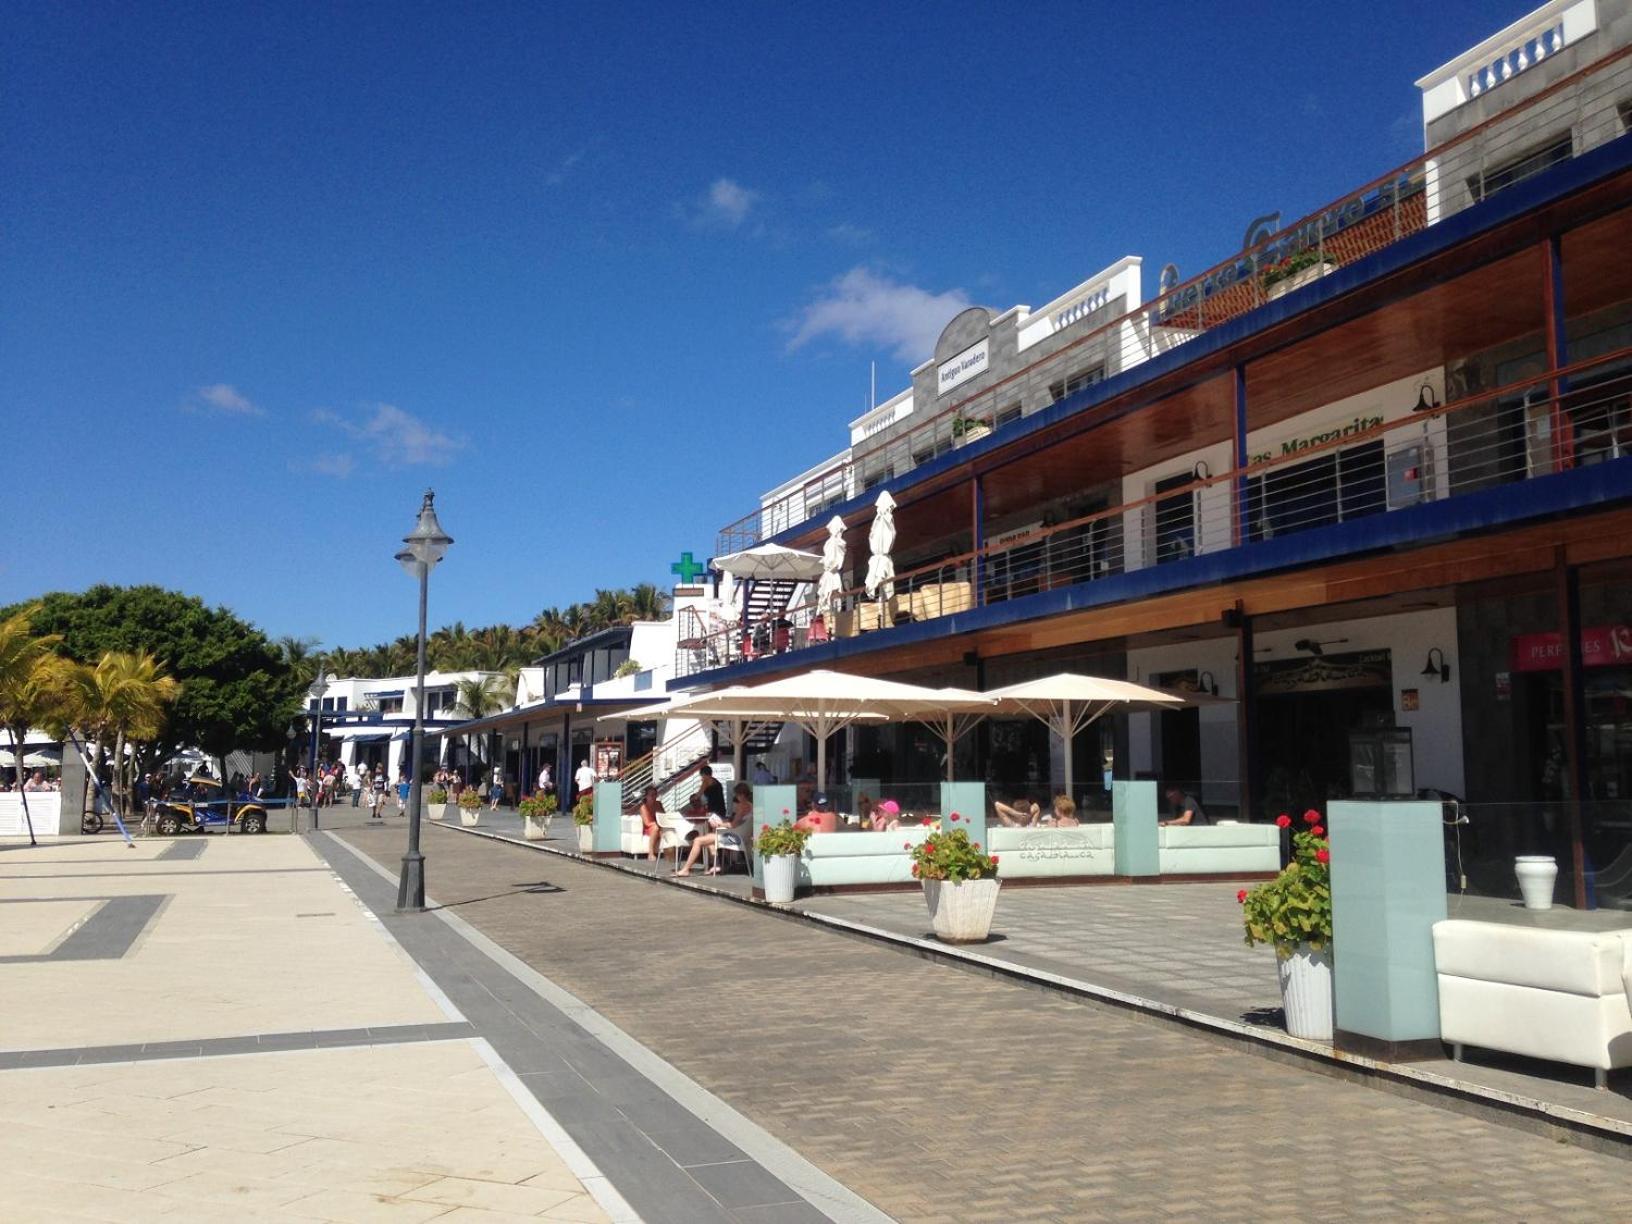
x=972, y=361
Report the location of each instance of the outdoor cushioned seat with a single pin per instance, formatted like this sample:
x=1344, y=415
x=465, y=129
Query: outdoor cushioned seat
x=632, y=840
x=832, y=859
x=1039, y=850
x=1218, y=849
x=1559, y=995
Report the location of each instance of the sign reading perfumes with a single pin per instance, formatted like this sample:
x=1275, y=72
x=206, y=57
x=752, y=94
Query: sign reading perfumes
x=972, y=361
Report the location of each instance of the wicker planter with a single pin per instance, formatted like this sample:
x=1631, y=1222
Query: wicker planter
x=961, y=912
x=1306, y=992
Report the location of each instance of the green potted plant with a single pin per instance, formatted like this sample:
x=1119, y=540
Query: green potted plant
x=583, y=815
x=629, y=667
x=436, y=802
x=1293, y=912
x=536, y=811
x=966, y=429
x=960, y=883
x=1295, y=271
x=779, y=847
x=470, y=806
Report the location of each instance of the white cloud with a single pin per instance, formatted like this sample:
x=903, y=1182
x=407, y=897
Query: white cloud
x=563, y=168
x=222, y=397
x=850, y=235
x=399, y=439
x=337, y=465
x=725, y=205
x=865, y=308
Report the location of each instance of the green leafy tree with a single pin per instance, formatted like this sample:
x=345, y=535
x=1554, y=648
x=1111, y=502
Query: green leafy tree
x=238, y=689
x=124, y=698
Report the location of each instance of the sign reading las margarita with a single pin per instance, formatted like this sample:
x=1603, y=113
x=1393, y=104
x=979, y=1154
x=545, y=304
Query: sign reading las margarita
x=973, y=360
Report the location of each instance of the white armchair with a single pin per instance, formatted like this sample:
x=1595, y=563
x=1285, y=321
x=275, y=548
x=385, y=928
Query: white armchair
x=1559, y=995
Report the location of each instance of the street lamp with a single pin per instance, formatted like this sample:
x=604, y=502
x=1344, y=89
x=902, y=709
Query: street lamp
x=315, y=692
x=427, y=543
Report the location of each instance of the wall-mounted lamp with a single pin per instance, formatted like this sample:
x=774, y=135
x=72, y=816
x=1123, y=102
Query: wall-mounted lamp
x=1441, y=669
x=1207, y=684
x=1201, y=471
x=1427, y=399
x=1309, y=644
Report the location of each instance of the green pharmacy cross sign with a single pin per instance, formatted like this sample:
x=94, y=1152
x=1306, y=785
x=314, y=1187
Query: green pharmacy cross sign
x=688, y=569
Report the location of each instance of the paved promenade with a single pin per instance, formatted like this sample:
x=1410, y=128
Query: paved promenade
x=941, y=1094
x=215, y=1029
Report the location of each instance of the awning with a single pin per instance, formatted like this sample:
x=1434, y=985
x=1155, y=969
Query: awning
x=372, y=737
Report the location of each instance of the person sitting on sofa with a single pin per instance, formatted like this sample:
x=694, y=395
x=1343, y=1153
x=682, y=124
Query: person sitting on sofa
x=728, y=835
x=1024, y=811
x=1186, y=810
x=650, y=806
x=1065, y=813
x=821, y=817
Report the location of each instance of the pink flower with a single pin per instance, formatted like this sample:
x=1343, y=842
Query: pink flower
x=784, y=811
x=1284, y=821
x=954, y=816
x=906, y=845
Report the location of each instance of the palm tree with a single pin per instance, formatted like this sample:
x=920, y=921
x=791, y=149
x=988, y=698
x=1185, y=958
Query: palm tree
x=302, y=657
x=32, y=687
x=123, y=697
x=647, y=603
x=479, y=696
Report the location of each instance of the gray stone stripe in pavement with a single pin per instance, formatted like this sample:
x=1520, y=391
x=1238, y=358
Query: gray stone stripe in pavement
x=183, y=850
x=215, y=1047
x=128, y=873
x=107, y=934
x=673, y=1150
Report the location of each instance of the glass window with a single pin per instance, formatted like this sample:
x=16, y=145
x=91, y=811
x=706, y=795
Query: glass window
x=1517, y=169
x=1076, y=382
x=1175, y=519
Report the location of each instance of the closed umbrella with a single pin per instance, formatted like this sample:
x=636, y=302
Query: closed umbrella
x=832, y=583
x=880, y=539
x=1067, y=703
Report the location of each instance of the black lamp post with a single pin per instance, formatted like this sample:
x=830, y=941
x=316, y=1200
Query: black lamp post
x=318, y=686
x=427, y=543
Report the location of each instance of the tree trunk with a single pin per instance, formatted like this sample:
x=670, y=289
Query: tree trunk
x=119, y=793
x=17, y=735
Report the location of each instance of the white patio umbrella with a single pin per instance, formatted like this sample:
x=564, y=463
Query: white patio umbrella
x=880, y=539
x=832, y=583
x=1067, y=703
x=771, y=561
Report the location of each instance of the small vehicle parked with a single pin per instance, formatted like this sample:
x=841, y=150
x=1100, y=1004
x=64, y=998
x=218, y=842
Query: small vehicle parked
x=200, y=804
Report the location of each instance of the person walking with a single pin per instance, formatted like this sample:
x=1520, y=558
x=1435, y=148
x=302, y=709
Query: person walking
x=378, y=789
x=495, y=789
x=362, y=782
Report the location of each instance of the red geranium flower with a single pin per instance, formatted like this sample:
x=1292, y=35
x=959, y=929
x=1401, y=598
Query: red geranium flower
x=915, y=869
x=1311, y=817
x=1318, y=831
x=1323, y=856
x=1241, y=896
x=954, y=816
x=906, y=845
x=1284, y=820
x=994, y=858
x=784, y=811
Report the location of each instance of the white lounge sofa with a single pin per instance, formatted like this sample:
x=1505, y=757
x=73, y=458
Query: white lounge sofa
x=836, y=859
x=1040, y=851
x=1558, y=995
x=1221, y=849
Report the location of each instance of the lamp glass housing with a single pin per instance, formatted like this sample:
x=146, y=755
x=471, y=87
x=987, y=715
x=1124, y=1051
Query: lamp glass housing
x=427, y=541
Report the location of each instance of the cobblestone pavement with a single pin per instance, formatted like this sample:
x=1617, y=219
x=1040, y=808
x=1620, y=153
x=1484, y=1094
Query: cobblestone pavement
x=941, y=1094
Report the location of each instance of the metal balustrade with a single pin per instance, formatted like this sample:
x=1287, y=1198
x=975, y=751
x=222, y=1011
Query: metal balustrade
x=1498, y=437
x=1578, y=113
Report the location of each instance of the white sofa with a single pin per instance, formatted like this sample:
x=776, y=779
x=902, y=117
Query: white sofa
x=836, y=859
x=1220, y=849
x=1559, y=995
x=1040, y=851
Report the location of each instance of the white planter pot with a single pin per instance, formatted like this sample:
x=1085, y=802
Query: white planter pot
x=961, y=912
x=1306, y=992
x=781, y=873
x=586, y=838
x=1537, y=874
x=974, y=434
x=441, y=811
x=532, y=828
x=1298, y=279
x=469, y=817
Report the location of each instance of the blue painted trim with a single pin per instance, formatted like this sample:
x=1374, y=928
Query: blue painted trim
x=1588, y=488
x=1550, y=186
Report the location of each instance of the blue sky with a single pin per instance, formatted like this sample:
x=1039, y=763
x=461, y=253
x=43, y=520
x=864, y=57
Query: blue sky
x=598, y=274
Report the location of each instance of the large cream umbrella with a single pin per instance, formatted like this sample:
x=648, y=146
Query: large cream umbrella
x=1067, y=703
x=736, y=726
x=771, y=561
x=832, y=583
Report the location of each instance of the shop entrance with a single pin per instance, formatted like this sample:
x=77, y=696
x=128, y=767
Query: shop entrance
x=1307, y=709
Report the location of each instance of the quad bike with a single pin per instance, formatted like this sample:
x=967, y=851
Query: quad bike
x=201, y=805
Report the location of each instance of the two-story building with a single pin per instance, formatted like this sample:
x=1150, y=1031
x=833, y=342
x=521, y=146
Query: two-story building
x=1368, y=481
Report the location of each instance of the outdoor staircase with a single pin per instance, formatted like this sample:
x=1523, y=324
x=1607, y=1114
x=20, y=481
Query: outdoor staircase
x=770, y=598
